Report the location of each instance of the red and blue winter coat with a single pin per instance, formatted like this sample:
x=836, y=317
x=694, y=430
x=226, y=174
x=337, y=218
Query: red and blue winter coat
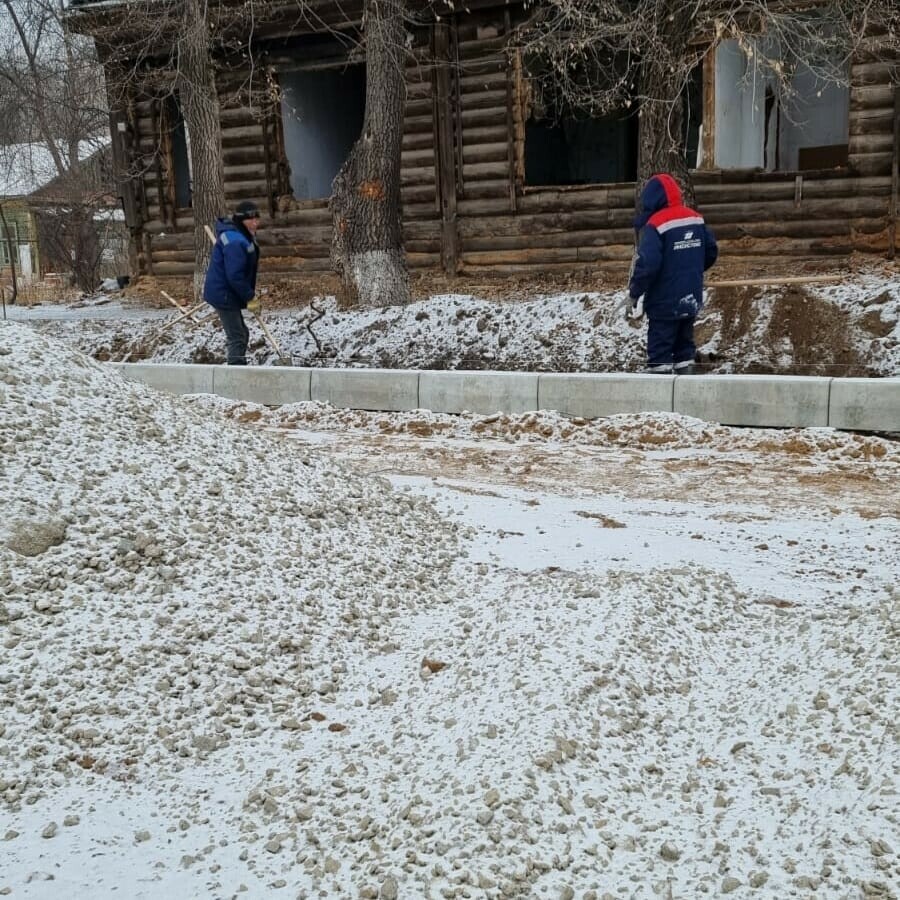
x=675, y=248
x=231, y=276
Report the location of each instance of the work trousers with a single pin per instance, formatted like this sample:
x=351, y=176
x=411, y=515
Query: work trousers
x=670, y=344
x=237, y=335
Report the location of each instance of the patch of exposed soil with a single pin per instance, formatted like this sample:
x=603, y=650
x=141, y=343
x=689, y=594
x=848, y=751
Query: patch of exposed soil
x=818, y=334
x=875, y=325
x=123, y=347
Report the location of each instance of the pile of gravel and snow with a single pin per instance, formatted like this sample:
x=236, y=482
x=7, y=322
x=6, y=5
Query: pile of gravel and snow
x=231, y=666
x=643, y=431
x=852, y=327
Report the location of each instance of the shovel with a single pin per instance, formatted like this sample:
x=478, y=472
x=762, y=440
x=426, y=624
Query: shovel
x=282, y=359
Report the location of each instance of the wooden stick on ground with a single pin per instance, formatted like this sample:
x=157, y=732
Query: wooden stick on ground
x=775, y=280
x=178, y=306
x=184, y=315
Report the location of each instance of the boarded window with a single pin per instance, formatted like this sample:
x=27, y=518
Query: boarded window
x=322, y=111
x=768, y=124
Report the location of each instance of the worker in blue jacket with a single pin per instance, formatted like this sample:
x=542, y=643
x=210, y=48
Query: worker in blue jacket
x=675, y=248
x=231, y=277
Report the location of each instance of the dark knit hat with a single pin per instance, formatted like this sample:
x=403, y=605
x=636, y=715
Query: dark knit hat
x=246, y=209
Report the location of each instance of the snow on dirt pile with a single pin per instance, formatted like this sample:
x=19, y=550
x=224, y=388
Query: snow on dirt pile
x=231, y=666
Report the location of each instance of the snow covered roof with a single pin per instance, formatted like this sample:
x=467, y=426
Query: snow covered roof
x=25, y=168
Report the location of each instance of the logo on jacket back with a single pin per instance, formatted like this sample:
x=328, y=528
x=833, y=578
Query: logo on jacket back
x=688, y=242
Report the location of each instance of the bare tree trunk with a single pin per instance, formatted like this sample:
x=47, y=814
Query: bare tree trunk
x=200, y=100
x=12, y=250
x=367, y=249
x=661, y=140
x=86, y=248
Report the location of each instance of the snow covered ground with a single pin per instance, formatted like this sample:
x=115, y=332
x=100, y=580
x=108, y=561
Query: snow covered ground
x=317, y=653
x=849, y=328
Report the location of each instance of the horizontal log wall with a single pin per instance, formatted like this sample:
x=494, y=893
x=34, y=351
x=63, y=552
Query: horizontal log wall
x=501, y=227
x=753, y=213
x=294, y=236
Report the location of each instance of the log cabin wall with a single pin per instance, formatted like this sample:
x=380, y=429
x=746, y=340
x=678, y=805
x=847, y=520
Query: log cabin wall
x=295, y=235
x=465, y=206
x=754, y=213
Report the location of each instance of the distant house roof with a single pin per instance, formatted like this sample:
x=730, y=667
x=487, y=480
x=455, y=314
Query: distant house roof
x=27, y=168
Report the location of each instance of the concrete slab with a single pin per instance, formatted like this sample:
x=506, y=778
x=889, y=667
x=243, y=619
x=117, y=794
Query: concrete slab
x=478, y=392
x=763, y=401
x=865, y=404
x=269, y=385
x=388, y=390
x=171, y=378
x=591, y=396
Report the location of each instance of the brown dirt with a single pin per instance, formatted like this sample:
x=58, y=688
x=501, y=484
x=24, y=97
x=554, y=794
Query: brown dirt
x=121, y=344
x=813, y=325
x=875, y=325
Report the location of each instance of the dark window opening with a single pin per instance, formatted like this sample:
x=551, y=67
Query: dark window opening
x=182, y=173
x=577, y=148
x=693, y=117
x=322, y=111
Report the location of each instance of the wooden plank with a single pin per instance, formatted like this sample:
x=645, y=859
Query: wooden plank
x=776, y=280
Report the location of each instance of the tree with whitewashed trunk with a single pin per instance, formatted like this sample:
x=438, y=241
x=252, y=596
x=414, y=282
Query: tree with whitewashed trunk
x=602, y=56
x=367, y=246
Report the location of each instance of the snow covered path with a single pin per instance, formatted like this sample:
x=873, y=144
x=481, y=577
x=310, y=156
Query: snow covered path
x=645, y=657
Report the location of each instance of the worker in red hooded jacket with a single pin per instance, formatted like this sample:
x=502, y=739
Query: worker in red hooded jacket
x=675, y=248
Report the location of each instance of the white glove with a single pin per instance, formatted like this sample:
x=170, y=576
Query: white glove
x=635, y=309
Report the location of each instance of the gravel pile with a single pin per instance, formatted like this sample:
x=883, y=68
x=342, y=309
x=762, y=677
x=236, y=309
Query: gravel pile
x=232, y=667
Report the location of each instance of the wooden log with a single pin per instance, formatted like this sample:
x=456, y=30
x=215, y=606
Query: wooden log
x=482, y=117
x=871, y=143
x=483, y=207
x=788, y=247
x=779, y=229
x=421, y=209
x=787, y=210
x=417, y=158
x=239, y=156
x=474, y=153
x=776, y=281
x=485, y=171
x=484, y=134
x=871, y=121
x=418, y=140
x=865, y=73
x=872, y=97
x=535, y=224
x=423, y=175
x=492, y=99
x=417, y=108
x=484, y=81
x=488, y=189
x=577, y=239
